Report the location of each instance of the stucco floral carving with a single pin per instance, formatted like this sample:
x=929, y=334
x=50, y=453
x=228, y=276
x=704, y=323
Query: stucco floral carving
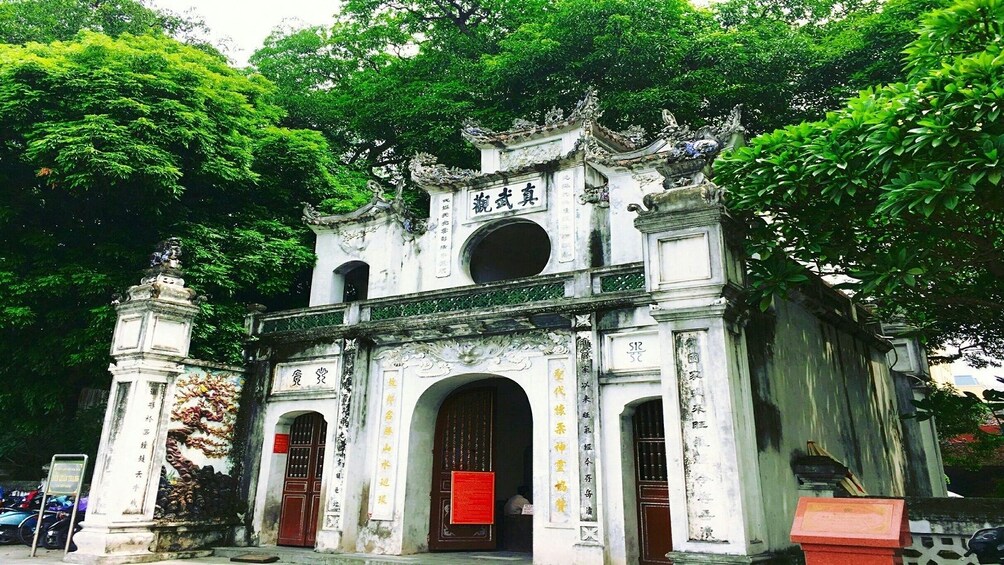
x=493, y=353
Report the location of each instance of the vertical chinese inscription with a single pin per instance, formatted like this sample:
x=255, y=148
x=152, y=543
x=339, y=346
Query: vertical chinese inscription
x=150, y=401
x=701, y=445
x=561, y=391
x=336, y=493
x=566, y=216
x=444, y=235
x=587, y=425
x=382, y=497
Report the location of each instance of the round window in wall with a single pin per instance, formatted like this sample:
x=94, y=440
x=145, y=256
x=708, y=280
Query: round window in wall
x=506, y=251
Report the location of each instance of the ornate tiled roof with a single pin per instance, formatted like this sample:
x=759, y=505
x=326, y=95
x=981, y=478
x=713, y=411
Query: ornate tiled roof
x=585, y=114
x=680, y=154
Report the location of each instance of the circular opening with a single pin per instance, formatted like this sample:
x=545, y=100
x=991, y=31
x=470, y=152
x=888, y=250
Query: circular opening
x=509, y=251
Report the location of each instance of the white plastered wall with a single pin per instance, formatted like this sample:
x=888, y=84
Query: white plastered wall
x=380, y=243
x=617, y=403
x=406, y=529
x=279, y=416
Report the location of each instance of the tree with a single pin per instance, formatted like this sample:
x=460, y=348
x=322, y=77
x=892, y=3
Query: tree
x=969, y=427
x=392, y=78
x=899, y=192
x=108, y=145
x=45, y=21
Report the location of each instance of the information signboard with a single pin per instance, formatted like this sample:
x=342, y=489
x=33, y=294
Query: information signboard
x=851, y=530
x=65, y=475
x=281, y=444
x=472, y=497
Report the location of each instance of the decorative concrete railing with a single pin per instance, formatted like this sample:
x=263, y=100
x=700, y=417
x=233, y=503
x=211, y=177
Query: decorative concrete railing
x=940, y=528
x=576, y=288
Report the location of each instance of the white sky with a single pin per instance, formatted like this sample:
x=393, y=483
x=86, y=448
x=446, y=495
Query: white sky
x=247, y=23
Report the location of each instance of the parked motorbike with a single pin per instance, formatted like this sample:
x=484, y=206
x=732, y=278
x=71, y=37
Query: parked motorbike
x=55, y=535
x=26, y=529
x=56, y=509
x=18, y=521
x=16, y=509
x=987, y=545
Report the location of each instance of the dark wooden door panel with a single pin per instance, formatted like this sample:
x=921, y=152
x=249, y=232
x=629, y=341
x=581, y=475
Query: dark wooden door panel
x=464, y=442
x=291, y=523
x=651, y=480
x=302, y=483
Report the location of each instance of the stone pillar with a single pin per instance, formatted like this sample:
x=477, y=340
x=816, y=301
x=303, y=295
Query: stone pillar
x=695, y=274
x=590, y=540
x=911, y=374
x=151, y=339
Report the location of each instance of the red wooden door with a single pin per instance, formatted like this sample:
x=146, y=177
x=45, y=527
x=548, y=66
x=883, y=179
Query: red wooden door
x=301, y=488
x=464, y=442
x=652, y=487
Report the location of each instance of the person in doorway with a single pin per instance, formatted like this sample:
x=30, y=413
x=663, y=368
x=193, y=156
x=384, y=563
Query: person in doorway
x=517, y=501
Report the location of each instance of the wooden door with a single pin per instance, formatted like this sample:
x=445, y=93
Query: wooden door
x=465, y=434
x=652, y=486
x=301, y=488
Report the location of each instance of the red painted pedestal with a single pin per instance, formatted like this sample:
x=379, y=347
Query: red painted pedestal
x=862, y=531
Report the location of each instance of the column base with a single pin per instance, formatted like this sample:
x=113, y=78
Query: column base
x=789, y=557
x=118, y=544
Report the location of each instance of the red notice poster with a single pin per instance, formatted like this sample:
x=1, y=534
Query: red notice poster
x=472, y=498
x=281, y=444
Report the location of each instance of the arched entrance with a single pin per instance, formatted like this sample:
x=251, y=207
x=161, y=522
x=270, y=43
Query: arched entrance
x=651, y=483
x=301, y=487
x=484, y=426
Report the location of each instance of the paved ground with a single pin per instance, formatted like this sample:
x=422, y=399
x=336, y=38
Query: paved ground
x=20, y=555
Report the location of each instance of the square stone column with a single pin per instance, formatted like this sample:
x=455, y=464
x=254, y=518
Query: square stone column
x=151, y=339
x=695, y=274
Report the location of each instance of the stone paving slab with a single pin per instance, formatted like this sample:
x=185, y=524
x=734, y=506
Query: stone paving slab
x=308, y=557
x=20, y=555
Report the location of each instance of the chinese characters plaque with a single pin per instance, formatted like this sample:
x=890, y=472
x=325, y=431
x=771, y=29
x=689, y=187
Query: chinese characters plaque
x=527, y=195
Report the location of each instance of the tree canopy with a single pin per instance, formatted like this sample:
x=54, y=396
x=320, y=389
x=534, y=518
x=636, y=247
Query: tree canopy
x=391, y=78
x=108, y=145
x=899, y=191
x=45, y=21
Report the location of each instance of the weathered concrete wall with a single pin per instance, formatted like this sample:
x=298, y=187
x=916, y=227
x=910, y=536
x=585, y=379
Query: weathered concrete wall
x=249, y=435
x=814, y=382
x=925, y=471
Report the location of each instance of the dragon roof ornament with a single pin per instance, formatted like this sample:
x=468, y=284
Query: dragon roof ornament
x=426, y=170
x=681, y=155
x=379, y=205
x=685, y=163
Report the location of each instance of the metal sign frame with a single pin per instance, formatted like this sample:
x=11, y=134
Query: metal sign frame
x=66, y=477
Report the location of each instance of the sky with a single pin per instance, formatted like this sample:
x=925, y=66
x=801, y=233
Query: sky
x=246, y=23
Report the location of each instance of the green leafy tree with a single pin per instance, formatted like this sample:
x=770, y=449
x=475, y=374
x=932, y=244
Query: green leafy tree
x=968, y=426
x=390, y=78
x=45, y=21
x=108, y=145
x=900, y=191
